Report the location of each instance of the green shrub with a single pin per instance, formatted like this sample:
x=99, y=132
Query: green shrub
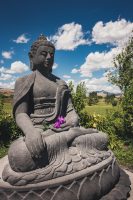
x=122, y=76
x=3, y=150
x=114, y=102
x=8, y=129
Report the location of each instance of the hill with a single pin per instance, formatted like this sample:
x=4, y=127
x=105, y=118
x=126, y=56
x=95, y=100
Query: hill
x=6, y=92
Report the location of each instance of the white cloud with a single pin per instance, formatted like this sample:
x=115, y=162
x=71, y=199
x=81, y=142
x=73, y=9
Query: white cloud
x=98, y=60
x=7, y=85
x=7, y=54
x=55, y=66
x=8, y=76
x=117, y=32
x=16, y=67
x=66, y=76
x=4, y=77
x=2, y=62
x=71, y=80
x=75, y=71
x=22, y=39
x=69, y=36
x=2, y=69
x=98, y=84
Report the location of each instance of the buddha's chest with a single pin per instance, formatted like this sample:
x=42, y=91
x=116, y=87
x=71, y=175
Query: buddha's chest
x=43, y=87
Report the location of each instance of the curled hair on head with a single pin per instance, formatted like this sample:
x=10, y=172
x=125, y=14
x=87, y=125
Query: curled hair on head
x=41, y=41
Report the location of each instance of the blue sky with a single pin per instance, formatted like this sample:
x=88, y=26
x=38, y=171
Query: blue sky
x=87, y=35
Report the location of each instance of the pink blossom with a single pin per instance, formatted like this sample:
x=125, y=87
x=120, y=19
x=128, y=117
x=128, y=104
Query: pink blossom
x=60, y=120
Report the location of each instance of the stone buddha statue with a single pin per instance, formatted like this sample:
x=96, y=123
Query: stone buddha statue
x=62, y=151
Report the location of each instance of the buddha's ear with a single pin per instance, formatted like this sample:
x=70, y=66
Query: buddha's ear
x=31, y=61
x=30, y=55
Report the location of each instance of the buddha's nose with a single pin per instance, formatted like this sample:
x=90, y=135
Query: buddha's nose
x=48, y=56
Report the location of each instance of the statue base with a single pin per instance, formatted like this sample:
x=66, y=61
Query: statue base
x=109, y=182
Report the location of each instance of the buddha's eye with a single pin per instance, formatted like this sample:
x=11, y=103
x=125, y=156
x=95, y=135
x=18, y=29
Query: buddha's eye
x=44, y=53
x=51, y=54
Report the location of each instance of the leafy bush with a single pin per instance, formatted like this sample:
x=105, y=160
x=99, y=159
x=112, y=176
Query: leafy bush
x=114, y=102
x=3, y=150
x=93, y=98
x=78, y=96
x=122, y=76
x=125, y=154
x=8, y=129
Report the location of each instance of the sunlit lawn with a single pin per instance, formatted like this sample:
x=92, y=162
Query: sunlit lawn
x=8, y=108
x=101, y=108
x=3, y=151
x=124, y=156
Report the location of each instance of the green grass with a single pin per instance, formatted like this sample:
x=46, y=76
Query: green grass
x=125, y=155
x=101, y=108
x=8, y=107
x=3, y=151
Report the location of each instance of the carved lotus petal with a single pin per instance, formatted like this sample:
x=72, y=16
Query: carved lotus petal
x=33, y=196
x=78, y=166
x=91, y=151
x=58, y=174
x=74, y=187
x=84, y=155
x=3, y=196
x=15, y=196
x=76, y=158
x=64, y=194
x=68, y=159
x=92, y=160
x=84, y=163
x=62, y=168
x=70, y=168
x=73, y=151
x=89, y=189
x=47, y=194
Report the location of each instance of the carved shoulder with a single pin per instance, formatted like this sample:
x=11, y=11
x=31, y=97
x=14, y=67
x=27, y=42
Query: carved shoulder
x=22, y=87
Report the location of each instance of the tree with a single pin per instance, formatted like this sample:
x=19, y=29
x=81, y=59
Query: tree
x=78, y=96
x=109, y=98
x=93, y=98
x=1, y=103
x=123, y=78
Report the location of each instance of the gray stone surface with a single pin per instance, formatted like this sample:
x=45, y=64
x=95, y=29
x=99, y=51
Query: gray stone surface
x=4, y=161
x=55, y=152
x=42, y=99
x=131, y=179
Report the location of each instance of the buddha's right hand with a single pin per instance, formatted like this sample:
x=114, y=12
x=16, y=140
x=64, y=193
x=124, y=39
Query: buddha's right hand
x=35, y=143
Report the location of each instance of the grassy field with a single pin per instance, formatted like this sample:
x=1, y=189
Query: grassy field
x=3, y=151
x=101, y=108
x=124, y=156
x=8, y=107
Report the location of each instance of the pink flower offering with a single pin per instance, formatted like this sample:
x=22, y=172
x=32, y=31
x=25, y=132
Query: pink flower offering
x=60, y=120
x=57, y=125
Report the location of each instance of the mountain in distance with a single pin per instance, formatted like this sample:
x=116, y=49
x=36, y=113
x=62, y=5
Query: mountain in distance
x=9, y=92
x=6, y=91
x=105, y=93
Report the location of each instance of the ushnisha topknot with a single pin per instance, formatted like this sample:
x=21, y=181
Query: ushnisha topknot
x=42, y=40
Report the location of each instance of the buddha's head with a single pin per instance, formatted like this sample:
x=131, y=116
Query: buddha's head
x=42, y=54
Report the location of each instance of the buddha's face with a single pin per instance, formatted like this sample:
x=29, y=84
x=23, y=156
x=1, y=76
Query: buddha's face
x=44, y=58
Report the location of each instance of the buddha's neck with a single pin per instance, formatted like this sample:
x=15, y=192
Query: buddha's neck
x=45, y=73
